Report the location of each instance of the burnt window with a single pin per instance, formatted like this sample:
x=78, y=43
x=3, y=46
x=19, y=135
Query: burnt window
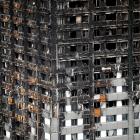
x=136, y=59
x=16, y=55
x=96, y=104
x=62, y=123
x=74, y=92
x=136, y=2
x=111, y=31
x=73, y=48
x=42, y=61
x=136, y=15
x=30, y=44
x=78, y=4
x=124, y=73
x=136, y=130
x=85, y=19
x=136, y=72
x=29, y=72
x=97, y=47
x=97, y=62
x=125, y=30
x=137, y=101
x=72, y=19
x=73, y=63
x=85, y=91
x=43, y=76
x=111, y=60
x=60, y=6
x=42, y=47
x=109, y=75
x=74, y=106
x=30, y=100
x=96, y=3
x=124, y=59
x=42, y=90
x=136, y=45
x=29, y=29
x=29, y=58
x=110, y=46
x=86, y=120
x=111, y=118
x=74, y=78
x=136, y=115
x=74, y=122
x=111, y=132
x=125, y=102
x=125, y=131
x=136, y=29
x=4, y=132
x=74, y=136
x=85, y=77
x=111, y=104
x=97, y=76
x=85, y=47
x=97, y=32
x=124, y=117
x=98, y=134
x=86, y=106
x=62, y=107
x=62, y=137
x=85, y=33
x=43, y=105
x=85, y=62
x=73, y=34
x=110, y=2
x=111, y=16
x=96, y=17
x=97, y=119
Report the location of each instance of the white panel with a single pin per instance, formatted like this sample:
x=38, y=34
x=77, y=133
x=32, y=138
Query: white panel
x=47, y=121
x=139, y=86
x=47, y=93
x=96, y=97
x=107, y=69
x=119, y=118
x=7, y=134
x=47, y=107
x=6, y=65
x=119, y=103
x=68, y=108
x=103, y=134
x=33, y=130
x=119, y=132
x=20, y=57
x=68, y=122
x=80, y=121
x=47, y=136
x=119, y=89
x=67, y=93
x=78, y=19
x=103, y=119
x=103, y=105
x=80, y=136
x=68, y=137
x=119, y=75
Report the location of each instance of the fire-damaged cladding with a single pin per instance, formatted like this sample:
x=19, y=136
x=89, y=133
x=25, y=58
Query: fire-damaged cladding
x=74, y=56
x=25, y=65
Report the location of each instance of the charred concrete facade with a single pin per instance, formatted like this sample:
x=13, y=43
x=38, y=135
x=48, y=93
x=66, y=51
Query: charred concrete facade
x=70, y=69
x=25, y=69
